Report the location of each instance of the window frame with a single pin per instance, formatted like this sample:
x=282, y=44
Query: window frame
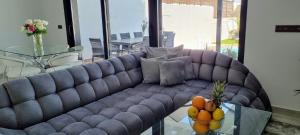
x=155, y=25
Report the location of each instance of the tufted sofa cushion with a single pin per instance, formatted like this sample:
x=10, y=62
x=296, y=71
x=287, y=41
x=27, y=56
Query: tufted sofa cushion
x=212, y=66
x=31, y=100
x=108, y=98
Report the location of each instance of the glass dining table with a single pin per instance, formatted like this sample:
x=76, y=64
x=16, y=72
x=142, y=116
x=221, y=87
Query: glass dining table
x=49, y=51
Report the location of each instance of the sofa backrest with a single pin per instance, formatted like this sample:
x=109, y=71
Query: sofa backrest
x=213, y=66
x=31, y=100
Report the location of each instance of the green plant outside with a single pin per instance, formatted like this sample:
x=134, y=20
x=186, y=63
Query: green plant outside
x=229, y=42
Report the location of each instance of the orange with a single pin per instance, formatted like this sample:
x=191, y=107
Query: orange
x=204, y=117
x=199, y=102
x=218, y=114
x=199, y=128
x=193, y=112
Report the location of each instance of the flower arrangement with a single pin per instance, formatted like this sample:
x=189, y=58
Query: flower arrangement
x=35, y=27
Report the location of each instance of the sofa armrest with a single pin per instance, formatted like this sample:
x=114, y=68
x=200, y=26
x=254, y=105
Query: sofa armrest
x=265, y=99
x=5, y=131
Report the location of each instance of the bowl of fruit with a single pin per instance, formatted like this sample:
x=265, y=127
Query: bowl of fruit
x=206, y=115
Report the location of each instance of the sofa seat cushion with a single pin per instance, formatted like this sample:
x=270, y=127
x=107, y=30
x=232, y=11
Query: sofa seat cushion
x=136, y=108
x=123, y=110
x=180, y=94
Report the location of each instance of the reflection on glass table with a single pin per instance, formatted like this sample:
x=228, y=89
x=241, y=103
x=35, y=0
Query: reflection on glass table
x=49, y=50
x=13, y=68
x=26, y=52
x=238, y=120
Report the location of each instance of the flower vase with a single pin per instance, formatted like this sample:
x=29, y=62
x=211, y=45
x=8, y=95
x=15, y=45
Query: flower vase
x=38, y=44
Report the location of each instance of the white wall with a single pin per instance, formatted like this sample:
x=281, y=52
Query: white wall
x=53, y=12
x=274, y=57
x=127, y=15
x=13, y=14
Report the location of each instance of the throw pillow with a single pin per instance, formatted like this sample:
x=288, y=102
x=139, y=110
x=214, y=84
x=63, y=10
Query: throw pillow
x=153, y=52
x=171, y=72
x=189, y=70
x=150, y=69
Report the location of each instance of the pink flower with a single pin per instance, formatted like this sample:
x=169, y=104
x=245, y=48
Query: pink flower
x=31, y=28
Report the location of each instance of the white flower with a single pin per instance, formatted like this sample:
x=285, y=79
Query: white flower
x=37, y=21
x=23, y=28
x=40, y=26
x=28, y=21
x=45, y=22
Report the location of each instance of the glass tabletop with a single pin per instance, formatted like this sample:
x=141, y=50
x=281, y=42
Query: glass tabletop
x=27, y=50
x=238, y=120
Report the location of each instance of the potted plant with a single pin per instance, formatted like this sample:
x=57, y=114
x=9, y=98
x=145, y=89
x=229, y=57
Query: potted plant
x=36, y=28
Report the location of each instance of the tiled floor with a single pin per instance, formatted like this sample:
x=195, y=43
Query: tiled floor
x=284, y=122
x=279, y=128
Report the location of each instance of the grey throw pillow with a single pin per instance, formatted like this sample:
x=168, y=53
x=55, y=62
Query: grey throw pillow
x=150, y=69
x=153, y=52
x=189, y=70
x=171, y=72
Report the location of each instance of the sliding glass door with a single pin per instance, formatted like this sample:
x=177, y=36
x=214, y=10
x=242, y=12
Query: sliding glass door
x=87, y=28
x=201, y=24
x=127, y=26
x=123, y=26
x=189, y=23
x=230, y=27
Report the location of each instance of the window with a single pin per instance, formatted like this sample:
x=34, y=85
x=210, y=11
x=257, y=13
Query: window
x=230, y=28
x=128, y=26
x=87, y=26
x=197, y=25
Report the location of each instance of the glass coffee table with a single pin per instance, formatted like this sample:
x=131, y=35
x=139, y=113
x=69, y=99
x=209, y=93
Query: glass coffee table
x=238, y=120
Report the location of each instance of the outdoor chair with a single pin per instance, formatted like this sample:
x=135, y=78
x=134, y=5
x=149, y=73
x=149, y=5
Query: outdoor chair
x=115, y=47
x=97, y=48
x=125, y=35
x=138, y=34
x=168, y=39
x=113, y=37
x=140, y=47
x=126, y=47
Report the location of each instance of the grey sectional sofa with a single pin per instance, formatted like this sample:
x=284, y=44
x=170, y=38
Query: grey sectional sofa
x=108, y=98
